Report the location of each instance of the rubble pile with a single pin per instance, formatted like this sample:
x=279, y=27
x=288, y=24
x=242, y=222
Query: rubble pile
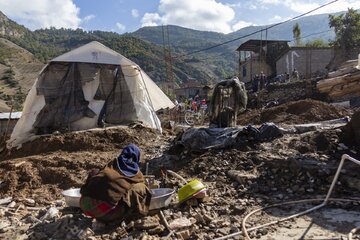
x=279, y=166
x=239, y=179
x=298, y=112
x=42, y=176
x=94, y=139
x=284, y=92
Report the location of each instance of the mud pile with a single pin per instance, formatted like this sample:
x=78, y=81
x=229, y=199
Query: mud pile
x=298, y=112
x=94, y=139
x=41, y=169
x=284, y=92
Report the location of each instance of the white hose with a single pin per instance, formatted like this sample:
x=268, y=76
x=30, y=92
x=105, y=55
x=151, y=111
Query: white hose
x=177, y=175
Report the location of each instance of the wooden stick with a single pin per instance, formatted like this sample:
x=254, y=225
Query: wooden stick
x=171, y=232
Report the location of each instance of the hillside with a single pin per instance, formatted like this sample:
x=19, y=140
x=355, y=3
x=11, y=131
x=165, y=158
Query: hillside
x=24, y=52
x=48, y=43
x=219, y=62
x=147, y=55
x=190, y=40
x=18, y=70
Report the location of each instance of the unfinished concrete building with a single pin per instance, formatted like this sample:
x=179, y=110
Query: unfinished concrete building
x=256, y=56
x=308, y=61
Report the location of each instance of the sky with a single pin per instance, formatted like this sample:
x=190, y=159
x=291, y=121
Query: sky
x=122, y=16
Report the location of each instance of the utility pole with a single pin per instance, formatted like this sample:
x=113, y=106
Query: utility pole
x=167, y=57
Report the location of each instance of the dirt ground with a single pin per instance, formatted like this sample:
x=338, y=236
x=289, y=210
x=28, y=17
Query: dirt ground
x=53, y=163
x=239, y=180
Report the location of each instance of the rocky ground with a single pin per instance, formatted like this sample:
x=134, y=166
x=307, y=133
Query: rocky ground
x=239, y=180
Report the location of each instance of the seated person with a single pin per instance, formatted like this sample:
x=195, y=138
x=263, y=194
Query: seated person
x=118, y=191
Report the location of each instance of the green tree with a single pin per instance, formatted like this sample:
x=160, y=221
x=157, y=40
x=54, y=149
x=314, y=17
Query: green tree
x=317, y=43
x=297, y=34
x=347, y=29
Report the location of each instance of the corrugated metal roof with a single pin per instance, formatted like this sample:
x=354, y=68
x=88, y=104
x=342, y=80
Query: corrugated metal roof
x=14, y=115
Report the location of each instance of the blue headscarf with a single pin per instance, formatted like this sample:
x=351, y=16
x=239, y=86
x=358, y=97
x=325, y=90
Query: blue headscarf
x=128, y=160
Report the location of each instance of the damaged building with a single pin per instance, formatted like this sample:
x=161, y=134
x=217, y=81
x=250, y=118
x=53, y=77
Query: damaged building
x=274, y=57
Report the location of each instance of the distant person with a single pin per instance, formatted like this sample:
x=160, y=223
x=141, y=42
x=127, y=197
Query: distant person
x=203, y=105
x=197, y=100
x=295, y=75
x=194, y=105
x=262, y=78
x=287, y=76
x=255, y=83
x=118, y=191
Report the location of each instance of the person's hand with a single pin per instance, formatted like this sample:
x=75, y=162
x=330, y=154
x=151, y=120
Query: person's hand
x=93, y=172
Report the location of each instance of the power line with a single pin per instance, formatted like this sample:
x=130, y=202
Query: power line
x=224, y=53
x=205, y=58
x=258, y=31
x=313, y=34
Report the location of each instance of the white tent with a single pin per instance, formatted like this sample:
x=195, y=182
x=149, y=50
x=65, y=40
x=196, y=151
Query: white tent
x=85, y=87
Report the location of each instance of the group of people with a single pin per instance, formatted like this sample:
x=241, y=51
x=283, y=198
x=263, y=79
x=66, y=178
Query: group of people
x=195, y=104
x=285, y=77
x=259, y=82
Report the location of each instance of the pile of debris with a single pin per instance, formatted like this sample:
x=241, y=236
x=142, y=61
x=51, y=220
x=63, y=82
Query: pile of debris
x=296, y=112
x=239, y=179
x=341, y=83
x=284, y=93
x=111, y=138
x=41, y=169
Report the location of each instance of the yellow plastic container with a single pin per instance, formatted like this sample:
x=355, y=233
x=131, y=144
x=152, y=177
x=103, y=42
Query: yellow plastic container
x=190, y=189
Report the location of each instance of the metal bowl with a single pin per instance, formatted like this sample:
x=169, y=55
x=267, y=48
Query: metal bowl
x=72, y=197
x=161, y=197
